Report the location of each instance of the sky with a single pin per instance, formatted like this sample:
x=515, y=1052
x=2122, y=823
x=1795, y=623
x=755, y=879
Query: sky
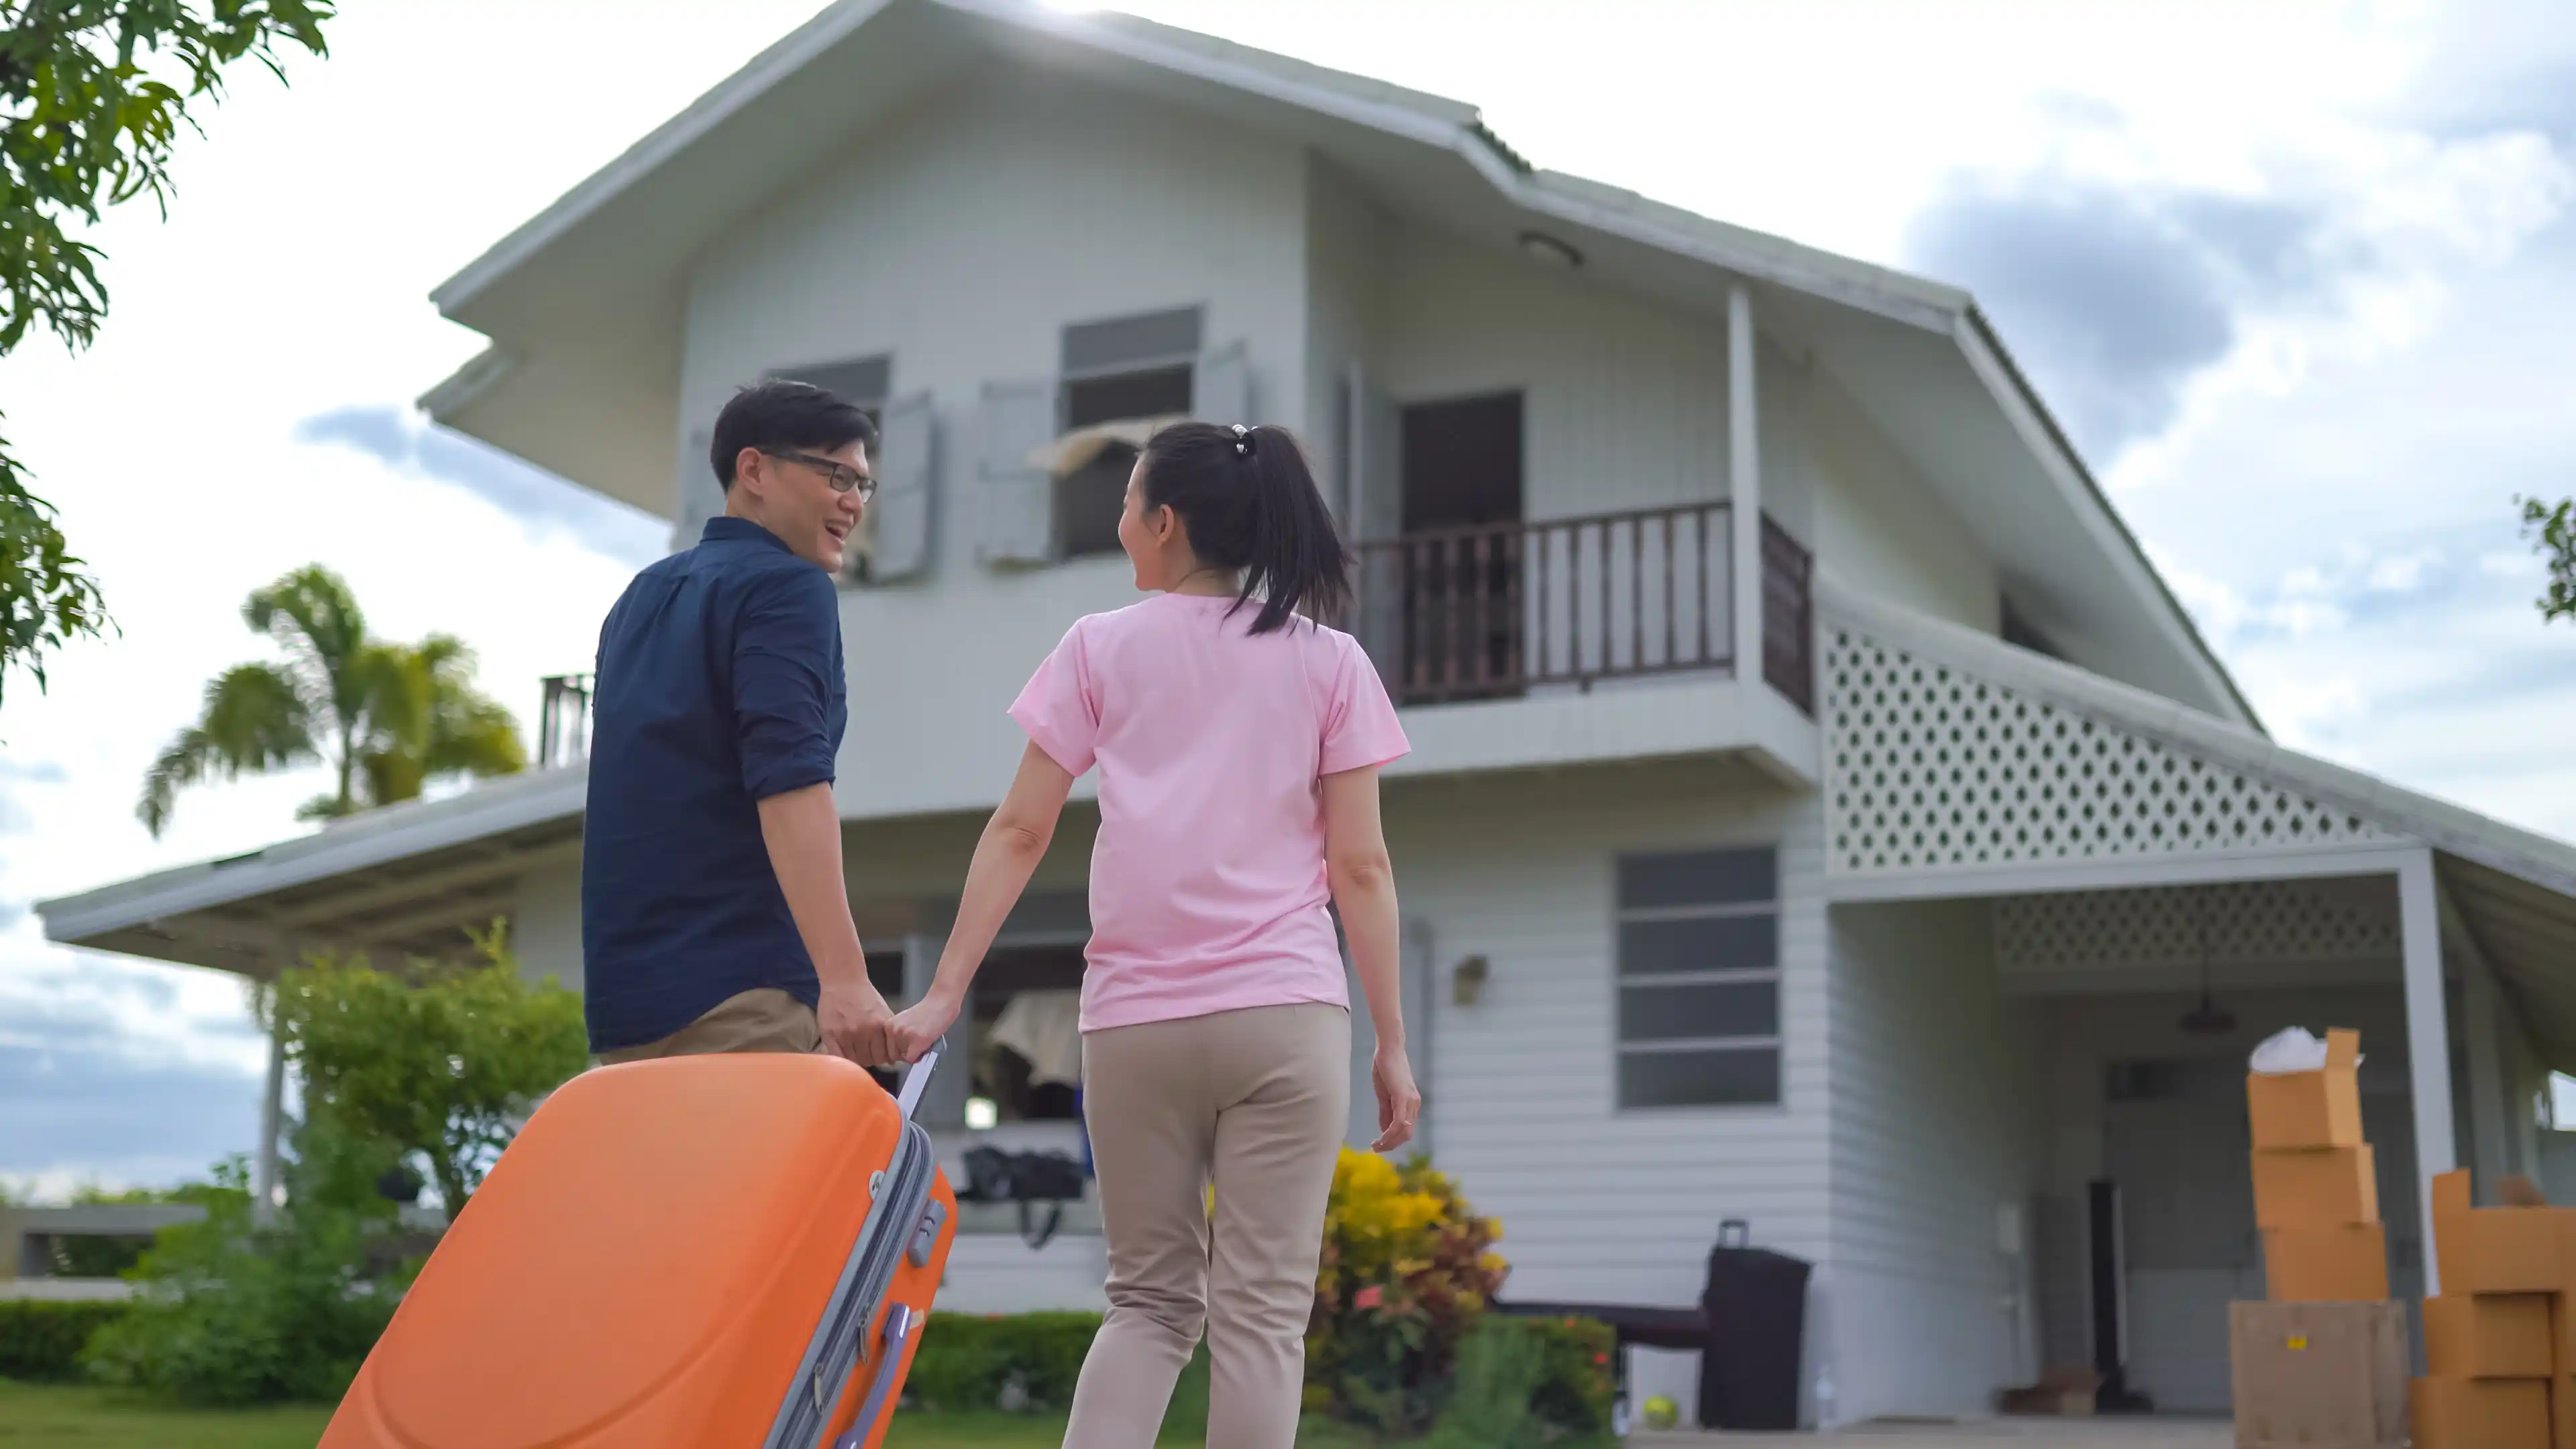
x=2296, y=277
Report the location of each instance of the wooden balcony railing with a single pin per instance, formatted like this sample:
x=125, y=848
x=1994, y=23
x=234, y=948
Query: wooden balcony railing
x=1495, y=611
x=563, y=724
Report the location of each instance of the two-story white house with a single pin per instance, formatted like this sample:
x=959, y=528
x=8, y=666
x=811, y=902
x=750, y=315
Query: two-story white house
x=1820, y=814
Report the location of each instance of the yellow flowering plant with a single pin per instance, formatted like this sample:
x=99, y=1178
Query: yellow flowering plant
x=1408, y=1268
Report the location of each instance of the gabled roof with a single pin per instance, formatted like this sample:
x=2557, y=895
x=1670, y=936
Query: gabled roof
x=583, y=302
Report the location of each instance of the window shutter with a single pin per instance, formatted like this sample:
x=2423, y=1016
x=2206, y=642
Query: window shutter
x=906, y=470
x=1016, y=500
x=1221, y=386
x=699, y=496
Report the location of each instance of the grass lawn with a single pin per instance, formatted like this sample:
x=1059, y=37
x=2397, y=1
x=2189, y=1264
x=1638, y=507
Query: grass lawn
x=66, y=1416
x=57, y=1416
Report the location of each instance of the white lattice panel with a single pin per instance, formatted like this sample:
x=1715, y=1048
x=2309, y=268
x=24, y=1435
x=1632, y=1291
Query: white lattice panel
x=1934, y=769
x=2247, y=923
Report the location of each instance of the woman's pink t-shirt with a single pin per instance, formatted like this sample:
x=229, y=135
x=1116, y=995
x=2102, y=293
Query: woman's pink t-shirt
x=1207, y=881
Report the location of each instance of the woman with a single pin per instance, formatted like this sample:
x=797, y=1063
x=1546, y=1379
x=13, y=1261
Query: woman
x=1238, y=743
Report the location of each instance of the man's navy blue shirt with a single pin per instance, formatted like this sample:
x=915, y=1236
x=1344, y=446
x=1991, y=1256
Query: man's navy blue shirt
x=719, y=685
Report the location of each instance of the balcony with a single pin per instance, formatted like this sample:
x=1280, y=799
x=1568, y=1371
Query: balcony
x=1571, y=641
x=1506, y=611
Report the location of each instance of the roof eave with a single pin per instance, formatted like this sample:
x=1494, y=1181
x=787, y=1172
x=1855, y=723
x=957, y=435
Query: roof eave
x=394, y=833
x=792, y=52
x=2023, y=405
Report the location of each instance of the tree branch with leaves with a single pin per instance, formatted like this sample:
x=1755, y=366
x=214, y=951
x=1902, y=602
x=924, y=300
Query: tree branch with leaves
x=94, y=97
x=2552, y=529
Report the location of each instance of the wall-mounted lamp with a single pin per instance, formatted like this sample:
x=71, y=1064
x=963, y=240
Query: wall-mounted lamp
x=1467, y=983
x=1542, y=247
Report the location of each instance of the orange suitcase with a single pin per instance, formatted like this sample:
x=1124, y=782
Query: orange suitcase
x=703, y=1251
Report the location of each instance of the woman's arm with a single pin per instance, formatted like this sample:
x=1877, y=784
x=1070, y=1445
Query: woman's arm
x=1363, y=882
x=1014, y=841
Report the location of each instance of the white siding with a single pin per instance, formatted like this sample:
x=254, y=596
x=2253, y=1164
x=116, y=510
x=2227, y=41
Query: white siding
x=961, y=239
x=1879, y=527
x=545, y=930
x=1780, y=384
x=1599, y=1204
x=1624, y=402
x=1346, y=238
x=998, y=1273
x=1932, y=1138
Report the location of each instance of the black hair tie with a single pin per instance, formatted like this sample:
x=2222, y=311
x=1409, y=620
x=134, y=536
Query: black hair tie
x=1242, y=441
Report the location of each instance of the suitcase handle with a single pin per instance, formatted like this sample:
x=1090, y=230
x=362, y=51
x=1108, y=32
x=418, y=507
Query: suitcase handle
x=915, y=1082
x=1734, y=1233
x=899, y=1323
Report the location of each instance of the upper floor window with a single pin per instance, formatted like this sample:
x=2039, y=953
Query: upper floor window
x=1114, y=371
x=865, y=381
x=1053, y=454
x=1699, y=978
x=894, y=542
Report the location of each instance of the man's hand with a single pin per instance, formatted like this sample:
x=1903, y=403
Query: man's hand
x=919, y=1027
x=856, y=1022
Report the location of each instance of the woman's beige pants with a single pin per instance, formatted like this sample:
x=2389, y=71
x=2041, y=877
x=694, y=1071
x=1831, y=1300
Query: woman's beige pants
x=1257, y=1102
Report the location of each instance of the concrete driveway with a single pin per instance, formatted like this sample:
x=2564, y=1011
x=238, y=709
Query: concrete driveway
x=1988, y=1434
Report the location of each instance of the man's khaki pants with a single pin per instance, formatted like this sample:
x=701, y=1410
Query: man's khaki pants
x=763, y=1020
x=1257, y=1102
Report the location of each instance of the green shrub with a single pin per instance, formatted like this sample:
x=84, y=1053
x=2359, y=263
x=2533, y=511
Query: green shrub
x=234, y=1311
x=966, y=1361
x=43, y=1340
x=1525, y=1382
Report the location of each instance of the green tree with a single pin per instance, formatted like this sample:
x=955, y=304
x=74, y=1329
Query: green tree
x=387, y=718
x=2553, y=531
x=434, y=1060
x=93, y=97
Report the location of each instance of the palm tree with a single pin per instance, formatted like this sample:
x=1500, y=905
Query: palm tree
x=387, y=718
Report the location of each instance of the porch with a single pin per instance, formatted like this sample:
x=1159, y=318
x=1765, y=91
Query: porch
x=2062, y=914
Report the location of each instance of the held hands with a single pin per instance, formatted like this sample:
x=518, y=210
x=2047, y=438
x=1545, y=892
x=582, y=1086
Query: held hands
x=856, y=1022
x=1399, y=1102
x=920, y=1026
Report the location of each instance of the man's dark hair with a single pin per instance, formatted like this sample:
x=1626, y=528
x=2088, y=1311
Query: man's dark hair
x=784, y=414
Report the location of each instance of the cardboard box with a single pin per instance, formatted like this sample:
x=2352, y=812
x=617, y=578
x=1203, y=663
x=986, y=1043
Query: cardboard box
x=2315, y=1187
x=2322, y=1374
x=2343, y=1264
x=2310, y=1109
x=2497, y=1250
x=2491, y=1336
x=2482, y=1414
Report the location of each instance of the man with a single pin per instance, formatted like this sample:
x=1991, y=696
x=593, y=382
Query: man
x=714, y=918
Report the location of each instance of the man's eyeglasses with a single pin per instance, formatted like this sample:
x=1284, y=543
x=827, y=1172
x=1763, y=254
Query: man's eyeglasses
x=841, y=476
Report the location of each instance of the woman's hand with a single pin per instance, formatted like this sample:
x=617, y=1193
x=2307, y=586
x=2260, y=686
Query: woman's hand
x=918, y=1027
x=1399, y=1102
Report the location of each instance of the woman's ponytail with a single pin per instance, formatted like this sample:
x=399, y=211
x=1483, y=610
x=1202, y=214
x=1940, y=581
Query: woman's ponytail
x=1250, y=503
